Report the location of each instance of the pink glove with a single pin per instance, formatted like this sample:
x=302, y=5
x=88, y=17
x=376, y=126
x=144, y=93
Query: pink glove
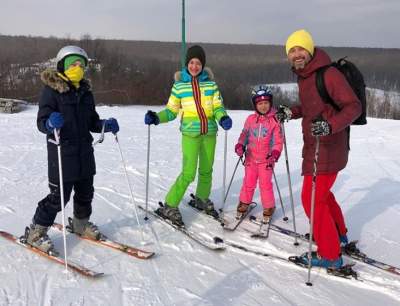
x=239, y=149
x=272, y=158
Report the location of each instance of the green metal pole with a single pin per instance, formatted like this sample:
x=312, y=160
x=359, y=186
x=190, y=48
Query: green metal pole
x=183, y=45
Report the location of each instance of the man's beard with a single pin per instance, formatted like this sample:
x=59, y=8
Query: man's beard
x=299, y=65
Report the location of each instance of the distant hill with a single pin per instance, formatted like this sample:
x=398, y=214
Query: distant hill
x=380, y=103
x=141, y=72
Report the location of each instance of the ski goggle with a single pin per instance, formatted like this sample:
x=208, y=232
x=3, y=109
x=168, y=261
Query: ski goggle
x=260, y=98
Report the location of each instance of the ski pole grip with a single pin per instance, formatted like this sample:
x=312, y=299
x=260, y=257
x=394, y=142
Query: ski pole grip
x=57, y=136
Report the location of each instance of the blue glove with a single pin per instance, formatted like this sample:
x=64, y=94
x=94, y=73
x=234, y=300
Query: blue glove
x=55, y=121
x=151, y=118
x=225, y=122
x=111, y=125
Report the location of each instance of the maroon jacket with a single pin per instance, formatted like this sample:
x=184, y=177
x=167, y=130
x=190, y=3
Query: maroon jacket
x=334, y=148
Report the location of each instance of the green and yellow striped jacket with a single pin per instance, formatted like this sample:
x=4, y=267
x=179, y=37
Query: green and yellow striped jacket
x=195, y=119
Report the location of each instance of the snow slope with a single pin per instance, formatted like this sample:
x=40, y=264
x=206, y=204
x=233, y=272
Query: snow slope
x=183, y=272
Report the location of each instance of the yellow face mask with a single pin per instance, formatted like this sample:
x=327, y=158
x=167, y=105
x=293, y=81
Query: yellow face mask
x=74, y=74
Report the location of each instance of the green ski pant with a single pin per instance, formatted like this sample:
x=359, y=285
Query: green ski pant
x=194, y=149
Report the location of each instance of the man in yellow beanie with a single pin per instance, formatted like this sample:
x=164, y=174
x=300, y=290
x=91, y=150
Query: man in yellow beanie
x=299, y=48
x=321, y=119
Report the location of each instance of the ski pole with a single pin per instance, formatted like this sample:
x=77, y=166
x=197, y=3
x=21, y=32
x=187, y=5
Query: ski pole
x=224, y=174
x=147, y=172
x=101, y=138
x=313, y=188
x=285, y=218
x=61, y=189
x=129, y=185
x=233, y=175
x=290, y=184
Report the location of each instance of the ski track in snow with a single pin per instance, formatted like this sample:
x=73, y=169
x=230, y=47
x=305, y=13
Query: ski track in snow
x=97, y=195
x=7, y=209
x=7, y=169
x=182, y=272
x=277, y=296
x=45, y=295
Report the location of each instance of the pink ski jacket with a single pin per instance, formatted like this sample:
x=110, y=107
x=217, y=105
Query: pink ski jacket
x=261, y=135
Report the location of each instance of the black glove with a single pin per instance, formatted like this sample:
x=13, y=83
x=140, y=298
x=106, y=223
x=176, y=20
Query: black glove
x=320, y=127
x=283, y=113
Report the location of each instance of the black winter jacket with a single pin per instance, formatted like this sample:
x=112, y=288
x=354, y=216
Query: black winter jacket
x=80, y=118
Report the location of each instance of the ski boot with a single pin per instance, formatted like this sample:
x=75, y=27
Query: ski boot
x=207, y=206
x=343, y=240
x=333, y=267
x=85, y=228
x=267, y=214
x=36, y=236
x=171, y=213
x=318, y=261
x=241, y=209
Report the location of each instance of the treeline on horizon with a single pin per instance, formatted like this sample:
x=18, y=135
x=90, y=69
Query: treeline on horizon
x=141, y=72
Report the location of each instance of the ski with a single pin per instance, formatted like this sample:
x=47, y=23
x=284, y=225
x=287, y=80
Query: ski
x=216, y=244
x=356, y=255
x=71, y=265
x=232, y=226
x=344, y=272
x=350, y=250
x=104, y=241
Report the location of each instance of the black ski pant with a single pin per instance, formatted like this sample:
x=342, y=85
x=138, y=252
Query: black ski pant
x=48, y=208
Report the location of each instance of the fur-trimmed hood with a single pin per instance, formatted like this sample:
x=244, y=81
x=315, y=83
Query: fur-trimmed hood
x=184, y=76
x=51, y=78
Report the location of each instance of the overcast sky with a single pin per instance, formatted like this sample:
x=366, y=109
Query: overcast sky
x=358, y=23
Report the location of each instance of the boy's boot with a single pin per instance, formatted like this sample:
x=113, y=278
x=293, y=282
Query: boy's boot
x=85, y=228
x=36, y=236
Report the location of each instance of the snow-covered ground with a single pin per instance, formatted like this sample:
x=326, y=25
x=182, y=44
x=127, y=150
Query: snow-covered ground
x=183, y=272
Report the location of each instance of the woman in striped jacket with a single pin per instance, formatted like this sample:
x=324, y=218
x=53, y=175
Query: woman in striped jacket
x=197, y=96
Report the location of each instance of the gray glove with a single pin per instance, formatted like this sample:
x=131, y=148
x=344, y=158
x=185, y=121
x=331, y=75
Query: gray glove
x=320, y=127
x=283, y=114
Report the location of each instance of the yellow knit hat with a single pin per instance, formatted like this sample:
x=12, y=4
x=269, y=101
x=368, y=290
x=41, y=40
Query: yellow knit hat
x=300, y=38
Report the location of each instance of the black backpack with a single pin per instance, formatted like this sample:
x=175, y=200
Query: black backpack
x=356, y=81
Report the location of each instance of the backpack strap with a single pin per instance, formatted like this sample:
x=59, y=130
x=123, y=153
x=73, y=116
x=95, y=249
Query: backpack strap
x=323, y=93
x=321, y=87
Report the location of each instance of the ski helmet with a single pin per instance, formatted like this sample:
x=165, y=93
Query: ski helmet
x=261, y=93
x=69, y=50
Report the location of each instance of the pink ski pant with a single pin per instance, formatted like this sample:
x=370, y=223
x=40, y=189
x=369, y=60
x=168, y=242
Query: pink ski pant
x=254, y=172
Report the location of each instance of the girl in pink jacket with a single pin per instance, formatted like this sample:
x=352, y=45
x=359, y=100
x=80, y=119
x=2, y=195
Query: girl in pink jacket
x=261, y=141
